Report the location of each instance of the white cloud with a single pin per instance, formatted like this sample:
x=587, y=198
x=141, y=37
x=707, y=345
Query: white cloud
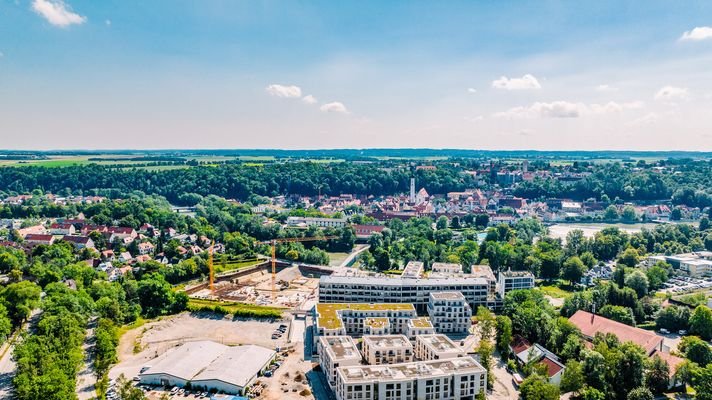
x=565, y=109
x=670, y=93
x=647, y=119
x=476, y=118
x=57, y=13
x=556, y=109
x=697, y=34
x=2, y=54
x=606, y=88
x=613, y=107
x=526, y=82
x=334, y=107
x=284, y=91
x=471, y=90
x=108, y=22
x=309, y=99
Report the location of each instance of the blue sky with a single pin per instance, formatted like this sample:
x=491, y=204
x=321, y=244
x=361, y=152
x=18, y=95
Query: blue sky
x=297, y=74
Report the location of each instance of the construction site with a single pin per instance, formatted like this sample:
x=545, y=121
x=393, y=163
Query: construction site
x=294, y=284
x=273, y=283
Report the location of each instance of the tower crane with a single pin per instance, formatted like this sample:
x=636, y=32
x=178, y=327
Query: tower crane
x=211, y=268
x=273, y=244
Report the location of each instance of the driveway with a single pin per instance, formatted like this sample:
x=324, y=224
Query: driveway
x=503, y=385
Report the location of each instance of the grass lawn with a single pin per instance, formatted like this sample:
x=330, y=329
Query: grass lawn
x=233, y=265
x=234, y=308
x=557, y=290
x=335, y=259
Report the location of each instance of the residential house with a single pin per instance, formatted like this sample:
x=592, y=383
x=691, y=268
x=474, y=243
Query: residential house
x=125, y=257
x=34, y=239
x=146, y=248
x=79, y=242
x=366, y=231
x=62, y=229
x=526, y=353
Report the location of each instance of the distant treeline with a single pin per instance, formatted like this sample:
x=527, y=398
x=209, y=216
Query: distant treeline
x=142, y=158
x=356, y=154
x=690, y=185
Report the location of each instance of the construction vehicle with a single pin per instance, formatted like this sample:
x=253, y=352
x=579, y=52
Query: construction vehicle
x=274, y=242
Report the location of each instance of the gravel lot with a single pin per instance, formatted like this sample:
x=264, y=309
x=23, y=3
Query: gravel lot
x=156, y=337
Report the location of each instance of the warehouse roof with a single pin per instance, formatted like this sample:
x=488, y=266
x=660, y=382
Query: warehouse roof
x=206, y=360
x=236, y=365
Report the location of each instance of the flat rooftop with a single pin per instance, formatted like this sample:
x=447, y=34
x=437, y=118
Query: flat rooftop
x=402, y=281
x=446, y=267
x=206, y=360
x=340, y=347
x=447, y=296
x=377, y=322
x=517, y=274
x=387, y=341
x=439, y=343
x=328, y=312
x=482, y=271
x=421, y=322
x=414, y=269
x=409, y=371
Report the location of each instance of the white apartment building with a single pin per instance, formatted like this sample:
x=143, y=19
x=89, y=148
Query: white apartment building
x=314, y=221
x=693, y=264
x=452, y=379
x=449, y=312
x=419, y=326
x=335, y=352
x=350, y=318
x=376, y=326
x=514, y=280
x=485, y=272
x=386, y=349
x=376, y=289
x=436, y=347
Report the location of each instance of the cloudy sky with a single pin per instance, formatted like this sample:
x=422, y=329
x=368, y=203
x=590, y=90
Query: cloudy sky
x=116, y=74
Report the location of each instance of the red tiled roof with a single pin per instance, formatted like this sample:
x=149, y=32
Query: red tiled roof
x=36, y=237
x=552, y=366
x=519, y=345
x=590, y=324
x=76, y=239
x=672, y=361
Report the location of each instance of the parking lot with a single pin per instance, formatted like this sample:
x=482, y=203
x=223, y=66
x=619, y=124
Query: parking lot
x=684, y=284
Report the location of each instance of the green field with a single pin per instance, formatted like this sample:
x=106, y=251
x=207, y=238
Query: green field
x=234, y=308
x=335, y=259
x=234, y=265
x=256, y=158
x=557, y=290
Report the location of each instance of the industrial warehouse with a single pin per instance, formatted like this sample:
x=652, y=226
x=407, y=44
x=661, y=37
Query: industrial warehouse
x=209, y=366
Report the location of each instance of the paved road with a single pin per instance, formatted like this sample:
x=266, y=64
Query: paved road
x=358, y=250
x=86, y=379
x=7, y=365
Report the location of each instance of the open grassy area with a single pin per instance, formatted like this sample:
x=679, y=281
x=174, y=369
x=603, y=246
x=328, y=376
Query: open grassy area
x=234, y=308
x=335, y=259
x=234, y=265
x=557, y=290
